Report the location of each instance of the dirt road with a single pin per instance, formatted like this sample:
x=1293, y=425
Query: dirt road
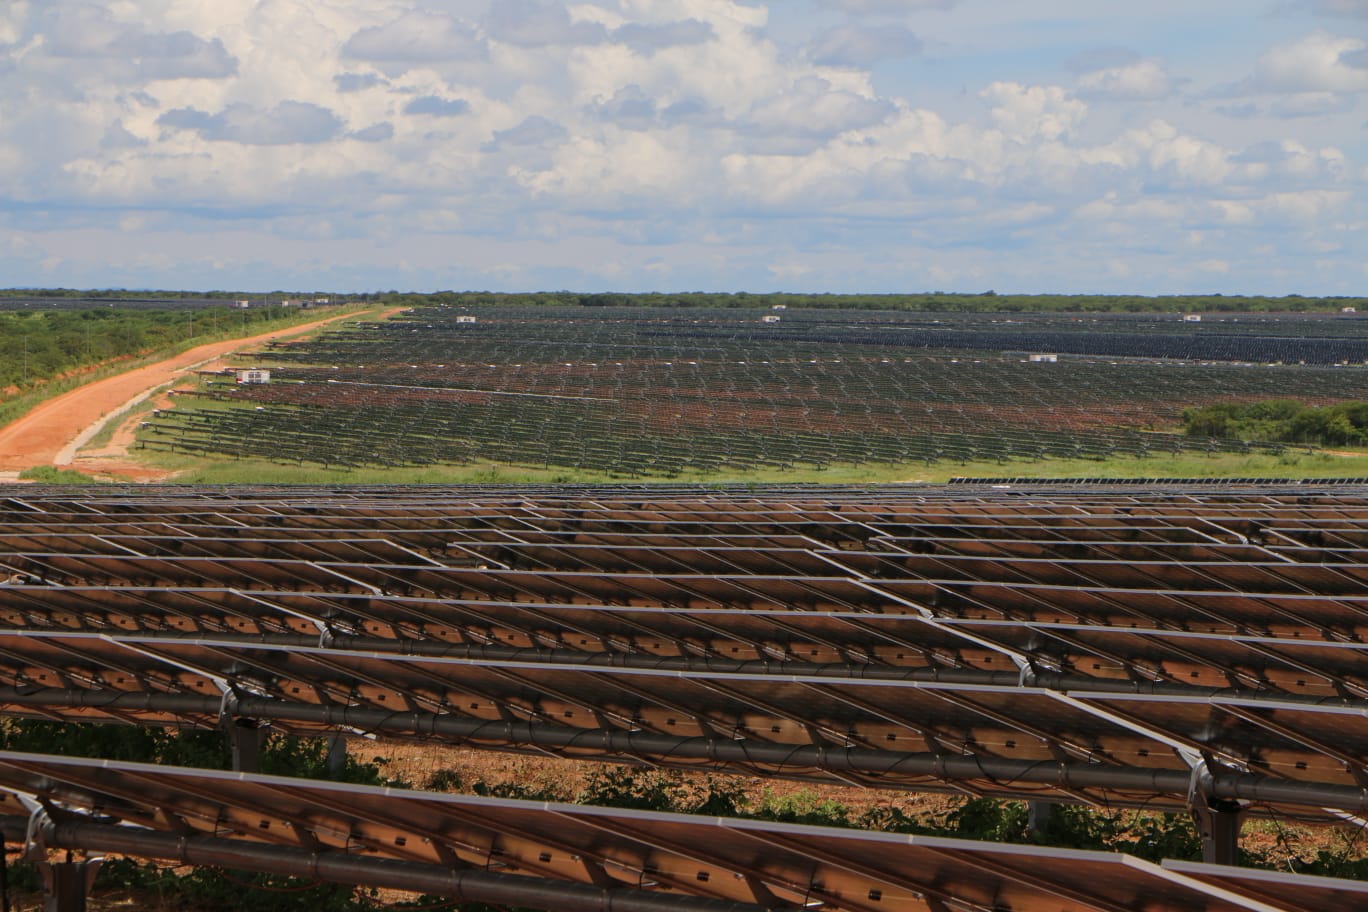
x=51, y=433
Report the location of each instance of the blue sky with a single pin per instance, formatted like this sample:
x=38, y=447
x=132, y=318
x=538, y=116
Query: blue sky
x=810, y=145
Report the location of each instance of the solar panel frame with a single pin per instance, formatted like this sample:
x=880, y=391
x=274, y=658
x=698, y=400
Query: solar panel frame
x=723, y=859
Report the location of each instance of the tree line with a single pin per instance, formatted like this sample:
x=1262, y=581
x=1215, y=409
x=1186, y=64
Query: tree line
x=36, y=346
x=1281, y=421
x=928, y=301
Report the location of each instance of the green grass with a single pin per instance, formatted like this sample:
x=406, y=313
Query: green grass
x=218, y=471
x=1293, y=464
x=56, y=476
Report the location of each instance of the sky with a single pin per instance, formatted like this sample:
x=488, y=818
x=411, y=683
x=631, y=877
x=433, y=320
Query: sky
x=1052, y=146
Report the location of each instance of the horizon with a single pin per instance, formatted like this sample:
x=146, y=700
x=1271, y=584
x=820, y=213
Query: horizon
x=990, y=293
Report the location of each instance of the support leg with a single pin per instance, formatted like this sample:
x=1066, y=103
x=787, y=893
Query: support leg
x=244, y=737
x=337, y=756
x=66, y=884
x=1038, y=814
x=1218, y=824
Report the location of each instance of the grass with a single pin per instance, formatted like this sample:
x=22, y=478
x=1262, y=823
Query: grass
x=56, y=476
x=218, y=471
x=1292, y=464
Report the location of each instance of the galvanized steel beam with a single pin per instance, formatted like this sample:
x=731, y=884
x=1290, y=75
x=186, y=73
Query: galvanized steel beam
x=1223, y=783
x=464, y=885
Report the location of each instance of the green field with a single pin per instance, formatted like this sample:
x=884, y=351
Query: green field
x=1292, y=464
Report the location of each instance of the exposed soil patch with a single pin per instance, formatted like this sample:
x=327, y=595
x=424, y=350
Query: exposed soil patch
x=417, y=764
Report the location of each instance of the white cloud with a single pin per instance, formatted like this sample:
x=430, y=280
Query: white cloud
x=1289, y=162
x=1142, y=80
x=812, y=106
x=635, y=167
x=1027, y=112
x=1312, y=104
x=1187, y=160
x=1305, y=205
x=1314, y=63
x=1234, y=212
x=1317, y=75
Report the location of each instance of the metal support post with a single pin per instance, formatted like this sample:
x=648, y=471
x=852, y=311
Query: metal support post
x=337, y=756
x=66, y=884
x=1038, y=814
x=244, y=737
x=1218, y=824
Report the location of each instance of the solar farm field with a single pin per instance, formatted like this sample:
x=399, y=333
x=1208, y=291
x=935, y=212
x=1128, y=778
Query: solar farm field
x=1178, y=647
x=670, y=392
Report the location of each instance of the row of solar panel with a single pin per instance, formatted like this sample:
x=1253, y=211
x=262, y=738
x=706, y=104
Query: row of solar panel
x=576, y=857
x=1257, y=674
x=795, y=718
x=1102, y=648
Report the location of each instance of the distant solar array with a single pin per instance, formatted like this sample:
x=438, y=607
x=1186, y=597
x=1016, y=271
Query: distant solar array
x=1110, y=646
x=660, y=392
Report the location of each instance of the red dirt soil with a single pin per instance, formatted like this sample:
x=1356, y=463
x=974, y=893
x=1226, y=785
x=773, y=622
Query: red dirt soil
x=41, y=435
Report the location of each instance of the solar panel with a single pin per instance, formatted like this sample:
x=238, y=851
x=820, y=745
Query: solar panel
x=569, y=855
x=965, y=637
x=1277, y=887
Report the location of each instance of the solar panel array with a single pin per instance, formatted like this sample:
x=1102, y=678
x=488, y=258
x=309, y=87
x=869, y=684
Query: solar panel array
x=571, y=857
x=662, y=392
x=1104, y=645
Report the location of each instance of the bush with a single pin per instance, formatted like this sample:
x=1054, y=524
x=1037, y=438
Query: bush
x=1281, y=421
